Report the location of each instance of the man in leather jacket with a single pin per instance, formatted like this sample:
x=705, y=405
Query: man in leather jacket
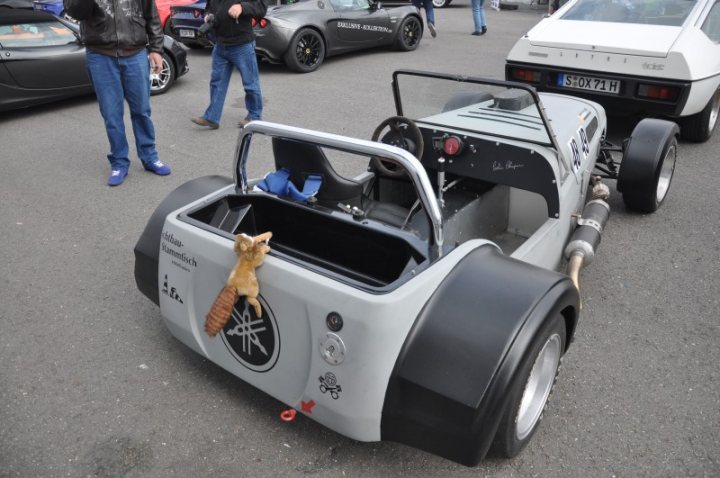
x=234, y=48
x=123, y=39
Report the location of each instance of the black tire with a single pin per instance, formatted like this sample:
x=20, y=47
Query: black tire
x=648, y=164
x=161, y=82
x=466, y=98
x=699, y=127
x=517, y=427
x=409, y=34
x=306, y=51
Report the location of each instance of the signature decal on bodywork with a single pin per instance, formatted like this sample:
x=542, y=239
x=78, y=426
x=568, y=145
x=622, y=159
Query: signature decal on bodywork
x=172, y=246
x=170, y=291
x=253, y=341
x=506, y=166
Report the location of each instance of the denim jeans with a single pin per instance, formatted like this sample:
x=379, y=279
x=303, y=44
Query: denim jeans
x=224, y=59
x=478, y=14
x=119, y=79
x=429, y=12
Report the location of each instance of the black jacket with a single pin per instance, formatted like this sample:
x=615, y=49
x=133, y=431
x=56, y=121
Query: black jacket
x=227, y=30
x=117, y=24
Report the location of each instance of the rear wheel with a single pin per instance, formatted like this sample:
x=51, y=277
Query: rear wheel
x=409, y=34
x=306, y=52
x=531, y=389
x=161, y=81
x=648, y=165
x=700, y=127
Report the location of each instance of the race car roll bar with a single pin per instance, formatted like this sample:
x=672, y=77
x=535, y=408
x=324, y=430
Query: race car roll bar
x=414, y=168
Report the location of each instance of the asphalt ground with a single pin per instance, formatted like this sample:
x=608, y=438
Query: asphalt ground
x=92, y=383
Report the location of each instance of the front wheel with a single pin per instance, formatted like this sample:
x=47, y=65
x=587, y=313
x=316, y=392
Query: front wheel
x=409, y=34
x=161, y=81
x=699, y=127
x=648, y=164
x=306, y=52
x=441, y=3
x=531, y=389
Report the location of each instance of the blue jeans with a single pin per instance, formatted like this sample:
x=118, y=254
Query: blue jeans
x=429, y=13
x=224, y=59
x=119, y=79
x=479, y=14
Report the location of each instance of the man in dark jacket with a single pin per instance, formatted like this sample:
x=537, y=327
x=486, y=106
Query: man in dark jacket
x=117, y=35
x=234, y=48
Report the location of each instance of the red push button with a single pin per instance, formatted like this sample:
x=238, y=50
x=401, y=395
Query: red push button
x=452, y=146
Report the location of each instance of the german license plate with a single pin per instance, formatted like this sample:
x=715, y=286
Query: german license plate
x=581, y=82
x=187, y=33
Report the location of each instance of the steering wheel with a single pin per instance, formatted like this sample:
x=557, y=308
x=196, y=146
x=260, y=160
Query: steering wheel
x=404, y=134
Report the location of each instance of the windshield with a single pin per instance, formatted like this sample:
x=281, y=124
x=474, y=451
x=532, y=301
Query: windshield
x=649, y=12
x=495, y=108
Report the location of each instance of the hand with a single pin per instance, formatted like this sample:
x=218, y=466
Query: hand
x=155, y=62
x=235, y=11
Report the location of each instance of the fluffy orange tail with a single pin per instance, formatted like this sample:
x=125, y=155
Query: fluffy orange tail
x=220, y=311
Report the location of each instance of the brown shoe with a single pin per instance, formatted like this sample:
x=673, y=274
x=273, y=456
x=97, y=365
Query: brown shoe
x=243, y=122
x=200, y=121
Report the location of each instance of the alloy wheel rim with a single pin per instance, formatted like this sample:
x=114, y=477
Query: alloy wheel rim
x=411, y=33
x=159, y=80
x=308, y=51
x=538, y=386
x=666, y=173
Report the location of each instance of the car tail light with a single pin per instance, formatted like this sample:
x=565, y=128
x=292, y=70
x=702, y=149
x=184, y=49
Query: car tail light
x=658, y=92
x=262, y=23
x=197, y=13
x=521, y=74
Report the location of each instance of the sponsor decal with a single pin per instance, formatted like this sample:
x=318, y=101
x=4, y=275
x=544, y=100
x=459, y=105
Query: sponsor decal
x=584, y=143
x=575, y=154
x=360, y=26
x=253, y=341
x=328, y=384
x=171, y=246
x=170, y=291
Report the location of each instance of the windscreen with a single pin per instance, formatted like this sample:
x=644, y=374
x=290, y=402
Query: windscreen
x=648, y=12
x=496, y=108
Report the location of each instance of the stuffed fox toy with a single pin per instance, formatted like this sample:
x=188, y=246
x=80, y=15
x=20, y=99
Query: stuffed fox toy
x=242, y=281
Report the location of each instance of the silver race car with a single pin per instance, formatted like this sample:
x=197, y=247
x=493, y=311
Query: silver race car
x=302, y=34
x=428, y=299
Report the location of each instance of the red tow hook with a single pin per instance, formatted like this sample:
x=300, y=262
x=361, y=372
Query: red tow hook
x=288, y=415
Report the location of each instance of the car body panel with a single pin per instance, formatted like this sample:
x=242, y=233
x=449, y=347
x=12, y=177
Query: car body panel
x=49, y=63
x=631, y=54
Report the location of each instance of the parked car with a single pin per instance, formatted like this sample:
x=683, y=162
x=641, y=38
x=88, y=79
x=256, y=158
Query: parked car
x=185, y=23
x=22, y=4
x=42, y=60
x=164, y=12
x=654, y=57
x=420, y=301
x=303, y=34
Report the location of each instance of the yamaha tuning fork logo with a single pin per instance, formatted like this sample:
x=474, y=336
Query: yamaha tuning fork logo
x=253, y=341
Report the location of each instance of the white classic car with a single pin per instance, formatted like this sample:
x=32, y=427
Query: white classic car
x=654, y=57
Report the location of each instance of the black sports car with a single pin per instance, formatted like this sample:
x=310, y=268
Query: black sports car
x=42, y=60
x=302, y=34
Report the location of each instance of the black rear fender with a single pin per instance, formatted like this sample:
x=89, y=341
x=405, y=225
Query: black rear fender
x=449, y=386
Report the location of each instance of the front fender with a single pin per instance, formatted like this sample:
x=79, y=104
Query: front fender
x=448, y=389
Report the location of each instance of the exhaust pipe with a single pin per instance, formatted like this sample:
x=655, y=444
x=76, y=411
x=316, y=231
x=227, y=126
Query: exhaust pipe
x=580, y=251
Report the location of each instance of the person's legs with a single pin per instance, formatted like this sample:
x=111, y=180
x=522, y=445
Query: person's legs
x=219, y=80
x=430, y=15
x=245, y=60
x=135, y=72
x=104, y=72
